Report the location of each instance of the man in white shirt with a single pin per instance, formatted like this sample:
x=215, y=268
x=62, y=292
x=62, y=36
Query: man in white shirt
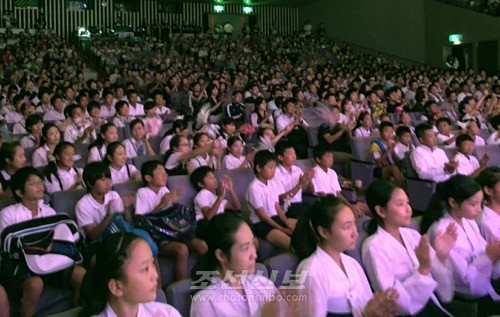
x=429, y=161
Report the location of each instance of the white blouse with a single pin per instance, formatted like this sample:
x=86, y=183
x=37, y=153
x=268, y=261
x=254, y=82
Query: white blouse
x=332, y=289
x=472, y=268
x=390, y=264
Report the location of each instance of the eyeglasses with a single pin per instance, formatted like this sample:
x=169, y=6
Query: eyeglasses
x=35, y=183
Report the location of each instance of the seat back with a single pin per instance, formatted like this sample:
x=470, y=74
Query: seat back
x=126, y=189
x=179, y=295
x=139, y=160
x=65, y=201
x=281, y=267
x=183, y=183
x=361, y=148
x=494, y=151
x=83, y=151
x=410, y=171
x=306, y=164
x=28, y=153
x=6, y=202
x=450, y=151
x=241, y=177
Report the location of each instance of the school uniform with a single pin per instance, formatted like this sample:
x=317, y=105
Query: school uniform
x=20, y=127
x=52, y=115
x=121, y=122
x=479, y=141
x=390, y=264
x=362, y=133
x=231, y=162
x=18, y=213
x=27, y=141
x=134, y=148
x=326, y=182
x=332, y=290
x=72, y=133
x=441, y=138
x=97, y=154
x=198, y=161
x=13, y=117
x=107, y=112
x=154, y=309
x=162, y=110
x=206, y=198
x=493, y=138
x=39, y=157
x=165, y=143
x=257, y=288
x=489, y=224
x=90, y=212
x=429, y=163
x=146, y=199
x=174, y=165
x=400, y=150
x=137, y=110
x=62, y=181
x=472, y=268
x=467, y=164
x=266, y=196
x=293, y=205
x=122, y=175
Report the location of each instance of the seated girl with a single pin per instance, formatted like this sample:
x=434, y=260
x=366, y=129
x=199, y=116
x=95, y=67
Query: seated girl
x=398, y=257
x=116, y=159
x=210, y=159
x=60, y=174
x=235, y=158
x=180, y=153
x=109, y=133
x=12, y=158
x=335, y=282
x=123, y=281
x=179, y=127
x=51, y=135
x=34, y=128
x=122, y=118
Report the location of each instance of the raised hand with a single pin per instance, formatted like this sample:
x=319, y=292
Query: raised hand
x=221, y=189
x=382, y=304
x=444, y=241
x=228, y=183
x=423, y=254
x=483, y=162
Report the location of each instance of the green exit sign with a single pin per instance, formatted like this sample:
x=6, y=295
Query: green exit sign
x=455, y=38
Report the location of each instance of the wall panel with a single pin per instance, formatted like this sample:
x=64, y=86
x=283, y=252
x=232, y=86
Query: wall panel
x=65, y=21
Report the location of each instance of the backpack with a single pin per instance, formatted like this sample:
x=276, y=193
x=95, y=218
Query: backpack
x=42, y=246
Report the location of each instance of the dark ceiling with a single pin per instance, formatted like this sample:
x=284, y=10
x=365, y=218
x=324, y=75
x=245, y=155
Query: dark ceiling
x=290, y=3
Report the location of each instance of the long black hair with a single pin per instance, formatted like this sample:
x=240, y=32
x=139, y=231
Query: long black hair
x=459, y=188
x=99, y=142
x=51, y=169
x=45, y=132
x=222, y=228
x=378, y=194
x=111, y=255
x=306, y=236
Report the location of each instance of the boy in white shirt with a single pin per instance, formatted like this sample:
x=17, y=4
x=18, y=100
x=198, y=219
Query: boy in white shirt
x=28, y=190
x=326, y=181
x=56, y=113
x=270, y=222
x=210, y=199
x=292, y=180
x=404, y=143
x=445, y=137
x=154, y=197
x=467, y=163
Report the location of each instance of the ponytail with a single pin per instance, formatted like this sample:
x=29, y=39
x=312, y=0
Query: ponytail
x=99, y=142
x=378, y=194
x=459, y=188
x=304, y=239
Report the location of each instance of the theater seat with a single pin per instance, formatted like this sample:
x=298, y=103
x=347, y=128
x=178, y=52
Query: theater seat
x=494, y=150
x=362, y=166
x=266, y=250
x=54, y=300
x=160, y=297
x=281, y=267
x=167, y=268
x=179, y=293
x=139, y=160
x=127, y=188
x=241, y=178
x=183, y=183
x=420, y=191
x=65, y=201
